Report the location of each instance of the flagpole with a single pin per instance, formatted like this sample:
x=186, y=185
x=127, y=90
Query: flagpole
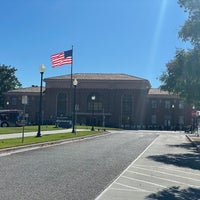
x=71, y=82
x=63, y=58
x=72, y=67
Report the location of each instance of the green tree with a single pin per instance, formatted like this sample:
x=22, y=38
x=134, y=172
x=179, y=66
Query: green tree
x=191, y=28
x=182, y=76
x=8, y=80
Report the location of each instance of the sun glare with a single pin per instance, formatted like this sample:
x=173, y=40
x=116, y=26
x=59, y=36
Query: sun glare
x=156, y=38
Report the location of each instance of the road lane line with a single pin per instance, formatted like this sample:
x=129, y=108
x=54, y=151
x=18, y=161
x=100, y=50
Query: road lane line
x=143, y=152
x=131, y=187
x=135, y=179
x=165, y=179
x=157, y=171
x=169, y=168
x=106, y=189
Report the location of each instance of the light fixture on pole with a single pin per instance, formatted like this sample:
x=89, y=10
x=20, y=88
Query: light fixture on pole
x=75, y=83
x=93, y=99
x=42, y=69
x=173, y=120
x=194, y=115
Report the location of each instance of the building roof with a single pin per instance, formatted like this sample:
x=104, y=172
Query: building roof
x=97, y=76
x=158, y=91
x=155, y=92
x=33, y=89
x=98, y=80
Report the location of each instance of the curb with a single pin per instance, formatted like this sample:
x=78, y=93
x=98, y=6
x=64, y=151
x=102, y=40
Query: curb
x=193, y=143
x=45, y=144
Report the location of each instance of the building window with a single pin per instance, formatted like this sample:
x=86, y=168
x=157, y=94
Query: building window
x=181, y=120
x=154, y=104
x=127, y=104
x=153, y=119
x=61, y=104
x=167, y=104
x=181, y=105
x=96, y=105
x=167, y=120
x=25, y=99
x=14, y=101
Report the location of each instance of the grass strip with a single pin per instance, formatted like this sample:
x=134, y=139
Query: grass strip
x=15, y=142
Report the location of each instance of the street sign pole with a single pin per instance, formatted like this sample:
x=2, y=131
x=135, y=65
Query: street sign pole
x=24, y=102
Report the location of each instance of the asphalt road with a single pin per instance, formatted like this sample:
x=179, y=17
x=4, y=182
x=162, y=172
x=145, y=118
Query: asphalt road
x=75, y=171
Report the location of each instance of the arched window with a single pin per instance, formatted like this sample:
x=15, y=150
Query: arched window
x=126, y=111
x=61, y=104
x=95, y=103
x=127, y=104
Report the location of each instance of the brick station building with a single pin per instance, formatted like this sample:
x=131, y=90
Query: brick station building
x=164, y=111
x=121, y=100
x=13, y=100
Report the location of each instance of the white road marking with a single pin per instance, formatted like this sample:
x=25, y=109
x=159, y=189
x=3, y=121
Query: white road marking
x=131, y=187
x=139, y=180
x=109, y=187
x=169, y=174
x=169, y=168
x=165, y=179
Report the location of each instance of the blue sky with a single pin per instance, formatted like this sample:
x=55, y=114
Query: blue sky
x=135, y=37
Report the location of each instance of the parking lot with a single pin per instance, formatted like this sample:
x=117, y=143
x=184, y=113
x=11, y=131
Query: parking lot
x=167, y=169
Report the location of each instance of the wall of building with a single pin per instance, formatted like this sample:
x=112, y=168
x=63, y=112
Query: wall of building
x=14, y=101
x=111, y=112
x=167, y=112
x=125, y=104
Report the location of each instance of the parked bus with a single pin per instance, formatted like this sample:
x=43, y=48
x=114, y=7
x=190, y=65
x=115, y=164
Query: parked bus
x=11, y=118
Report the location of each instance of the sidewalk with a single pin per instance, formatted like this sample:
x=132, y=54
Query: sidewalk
x=194, y=140
x=18, y=135
x=169, y=168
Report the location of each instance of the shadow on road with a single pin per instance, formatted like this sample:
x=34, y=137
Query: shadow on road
x=184, y=145
x=176, y=193
x=188, y=160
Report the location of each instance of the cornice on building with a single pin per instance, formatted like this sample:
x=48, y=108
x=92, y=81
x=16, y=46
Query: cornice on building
x=34, y=90
x=157, y=92
x=104, y=81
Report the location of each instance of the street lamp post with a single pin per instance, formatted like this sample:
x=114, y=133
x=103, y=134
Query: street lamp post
x=173, y=120
x=193, y=118
x=93, y=99
x=75, y=83
x=42, y=69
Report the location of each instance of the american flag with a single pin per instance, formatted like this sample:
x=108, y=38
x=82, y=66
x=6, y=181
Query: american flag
x=62, y=58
